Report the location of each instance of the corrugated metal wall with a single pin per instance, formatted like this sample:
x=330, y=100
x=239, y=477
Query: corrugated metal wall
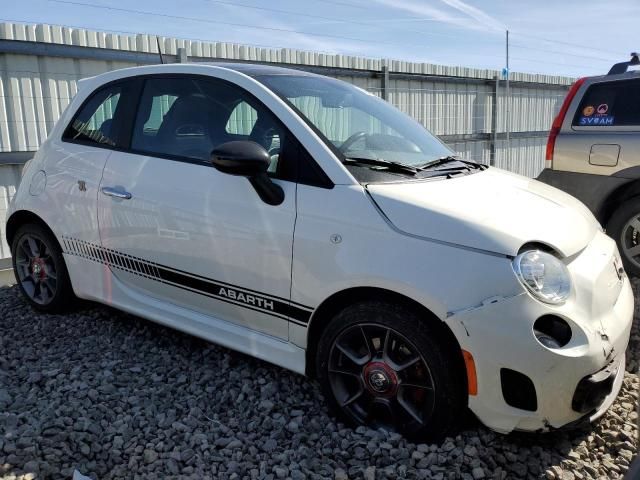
x=34, y=91
x=445, y=109
x=461, y=104
x=9, y=179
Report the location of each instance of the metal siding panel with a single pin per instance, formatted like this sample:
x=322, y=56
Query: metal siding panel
x=9, y=180
x=34, y=93
x=526, y=155
x=5, y=139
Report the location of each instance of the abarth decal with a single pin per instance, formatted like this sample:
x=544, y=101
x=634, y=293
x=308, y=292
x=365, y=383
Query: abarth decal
x=246, y=298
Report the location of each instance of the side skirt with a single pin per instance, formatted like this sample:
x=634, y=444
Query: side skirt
x=110, y=291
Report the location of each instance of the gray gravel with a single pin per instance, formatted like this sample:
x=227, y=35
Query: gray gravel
x=114, y=396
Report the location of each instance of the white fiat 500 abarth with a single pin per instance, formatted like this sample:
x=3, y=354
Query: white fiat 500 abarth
x=303, y=221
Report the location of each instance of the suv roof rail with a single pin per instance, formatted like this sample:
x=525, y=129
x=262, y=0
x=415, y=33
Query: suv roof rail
x=622, y=66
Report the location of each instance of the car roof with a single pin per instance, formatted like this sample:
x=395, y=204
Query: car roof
x=249, y=69
x=255, y=69
x=612, y=77
x=619, y=71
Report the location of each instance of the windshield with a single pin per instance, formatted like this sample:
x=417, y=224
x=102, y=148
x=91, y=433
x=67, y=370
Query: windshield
x=356, y=123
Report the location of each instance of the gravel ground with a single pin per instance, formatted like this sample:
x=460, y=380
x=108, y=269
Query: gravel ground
x=114, y=396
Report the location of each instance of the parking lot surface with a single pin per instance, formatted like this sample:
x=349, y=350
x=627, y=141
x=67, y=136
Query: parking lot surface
x=115, y=396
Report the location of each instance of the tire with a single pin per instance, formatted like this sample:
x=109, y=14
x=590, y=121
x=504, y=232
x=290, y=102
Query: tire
x=624, y=228
x=40, y=270
x=424, y=398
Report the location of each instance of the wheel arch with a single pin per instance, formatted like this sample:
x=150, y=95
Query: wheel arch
x=344, y=298
x=616, y=198
x=22, y=217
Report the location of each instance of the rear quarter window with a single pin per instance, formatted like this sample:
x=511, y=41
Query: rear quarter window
x=93, y=124
x=610, y=104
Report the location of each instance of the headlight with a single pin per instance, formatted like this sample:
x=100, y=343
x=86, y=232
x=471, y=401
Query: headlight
x=546, y=277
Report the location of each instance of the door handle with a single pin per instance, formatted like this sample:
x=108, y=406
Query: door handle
x=112, y=192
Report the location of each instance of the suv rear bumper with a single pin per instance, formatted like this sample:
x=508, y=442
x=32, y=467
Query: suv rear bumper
x=592, y=190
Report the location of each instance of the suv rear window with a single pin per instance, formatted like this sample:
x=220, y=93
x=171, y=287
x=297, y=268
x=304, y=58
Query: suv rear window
x=610, y=104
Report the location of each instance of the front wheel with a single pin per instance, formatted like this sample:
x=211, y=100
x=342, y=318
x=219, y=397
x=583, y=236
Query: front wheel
x=381, y=365
x=40, y=270
x=624, y=228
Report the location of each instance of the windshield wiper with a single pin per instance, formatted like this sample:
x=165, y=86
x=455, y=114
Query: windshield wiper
x=450, y=159
x=376, y=162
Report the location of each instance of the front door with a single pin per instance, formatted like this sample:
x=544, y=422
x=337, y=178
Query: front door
x=177, y=229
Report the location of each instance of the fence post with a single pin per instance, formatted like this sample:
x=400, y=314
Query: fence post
x=182, y=55
x=385, y=80
x=493, y=138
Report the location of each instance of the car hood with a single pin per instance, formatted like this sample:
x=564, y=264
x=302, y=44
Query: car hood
x=492, y=210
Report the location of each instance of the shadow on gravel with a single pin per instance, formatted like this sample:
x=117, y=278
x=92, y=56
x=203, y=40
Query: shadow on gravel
x=114, y=396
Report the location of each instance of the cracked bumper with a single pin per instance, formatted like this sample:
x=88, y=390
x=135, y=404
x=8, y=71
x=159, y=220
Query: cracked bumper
x=500, y=335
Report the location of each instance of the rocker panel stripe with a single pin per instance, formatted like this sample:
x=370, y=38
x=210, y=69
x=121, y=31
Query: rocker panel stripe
x=225, y=292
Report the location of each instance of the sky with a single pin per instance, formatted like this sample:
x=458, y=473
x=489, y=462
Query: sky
x=558, y=37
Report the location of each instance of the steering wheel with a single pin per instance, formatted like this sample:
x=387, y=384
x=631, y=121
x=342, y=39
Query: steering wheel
x=351, y=140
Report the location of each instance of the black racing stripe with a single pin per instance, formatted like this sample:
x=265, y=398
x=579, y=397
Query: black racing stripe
x=235, y=287
x=225, y=292
x=297, y=313
x=241, y=296
x=154, y=265
x=199, y=292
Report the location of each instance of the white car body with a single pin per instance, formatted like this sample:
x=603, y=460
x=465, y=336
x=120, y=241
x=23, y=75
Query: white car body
x=199, y=251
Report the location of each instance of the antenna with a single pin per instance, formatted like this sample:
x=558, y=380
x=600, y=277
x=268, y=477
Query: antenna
x=159, y=50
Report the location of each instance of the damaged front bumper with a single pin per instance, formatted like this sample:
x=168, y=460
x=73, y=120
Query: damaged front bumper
x=523, y=385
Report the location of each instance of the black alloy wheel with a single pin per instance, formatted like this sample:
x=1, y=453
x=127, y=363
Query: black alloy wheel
x=36, y=270
x=40, y=270
x=384, y=366
x=379, y=377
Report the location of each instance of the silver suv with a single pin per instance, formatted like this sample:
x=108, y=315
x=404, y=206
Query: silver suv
x=593, y=153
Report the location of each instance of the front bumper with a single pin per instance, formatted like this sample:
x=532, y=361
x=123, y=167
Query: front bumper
x=499, y=335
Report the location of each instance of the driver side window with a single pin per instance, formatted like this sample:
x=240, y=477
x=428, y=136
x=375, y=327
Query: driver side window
x=185, y=118
x=243, y=124
x=242, y=120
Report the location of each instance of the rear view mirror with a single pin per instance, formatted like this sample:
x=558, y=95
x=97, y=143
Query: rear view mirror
x=251, y=160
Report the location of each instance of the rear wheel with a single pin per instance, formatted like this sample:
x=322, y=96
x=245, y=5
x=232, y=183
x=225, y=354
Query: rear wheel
x=40, y=270
x=624, y=228
x=381, y=365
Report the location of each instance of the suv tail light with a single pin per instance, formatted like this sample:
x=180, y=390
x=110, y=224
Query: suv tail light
x=557, y=122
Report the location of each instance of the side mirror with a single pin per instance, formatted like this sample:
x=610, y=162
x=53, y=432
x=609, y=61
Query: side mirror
x=251, y=160
x=241, y=157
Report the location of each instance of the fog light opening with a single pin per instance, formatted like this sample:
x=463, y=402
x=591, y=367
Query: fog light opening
x=518, y=390
x=552, y=331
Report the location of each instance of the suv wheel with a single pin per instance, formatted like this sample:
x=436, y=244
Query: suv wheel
x=624, y=228
x=380, y=365
x=40, y=269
